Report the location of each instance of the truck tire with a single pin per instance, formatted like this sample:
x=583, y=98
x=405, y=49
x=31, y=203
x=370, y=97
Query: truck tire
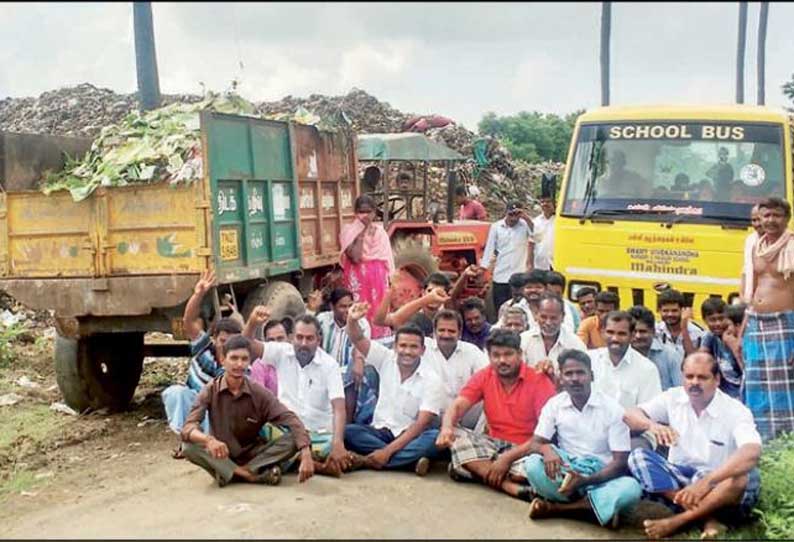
x=99, y=371
x=415, y=259
x=414, y=264
x=282, y=298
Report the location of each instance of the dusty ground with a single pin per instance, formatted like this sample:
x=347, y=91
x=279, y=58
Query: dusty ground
x=100, y=476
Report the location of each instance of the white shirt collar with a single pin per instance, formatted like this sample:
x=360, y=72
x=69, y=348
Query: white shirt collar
x=713, y=409
x=595, y=399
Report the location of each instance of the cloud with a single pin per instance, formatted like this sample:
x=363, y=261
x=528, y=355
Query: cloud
x=456, y=59
x=365, y=62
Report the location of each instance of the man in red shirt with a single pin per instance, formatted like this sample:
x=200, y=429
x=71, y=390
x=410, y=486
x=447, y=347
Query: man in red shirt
x=470, y=209
x=513, y=395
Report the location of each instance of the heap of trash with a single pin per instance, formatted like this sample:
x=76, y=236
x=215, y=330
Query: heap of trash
x=164, y=145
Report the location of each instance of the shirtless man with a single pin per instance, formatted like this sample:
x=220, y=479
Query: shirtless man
x=768, y=338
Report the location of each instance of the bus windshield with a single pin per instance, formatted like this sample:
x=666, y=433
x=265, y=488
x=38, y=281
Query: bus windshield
x=689, y=171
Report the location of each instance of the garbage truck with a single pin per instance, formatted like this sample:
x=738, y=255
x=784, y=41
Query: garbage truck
x=265, y=215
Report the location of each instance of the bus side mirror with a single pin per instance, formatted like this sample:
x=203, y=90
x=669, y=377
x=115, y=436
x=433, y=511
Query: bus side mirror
x=548, y=185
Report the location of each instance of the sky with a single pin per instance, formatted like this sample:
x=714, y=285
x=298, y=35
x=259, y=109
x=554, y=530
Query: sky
x=460, y=60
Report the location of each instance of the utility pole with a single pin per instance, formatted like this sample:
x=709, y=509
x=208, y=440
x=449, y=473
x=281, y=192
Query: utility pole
x=741, y=45
x=606, y=28
x=145, y=57
x=761, y=58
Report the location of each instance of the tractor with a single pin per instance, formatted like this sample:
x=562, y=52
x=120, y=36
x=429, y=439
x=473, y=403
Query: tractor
x=396, y=172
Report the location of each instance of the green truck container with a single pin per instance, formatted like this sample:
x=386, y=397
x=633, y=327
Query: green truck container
x=266, y=216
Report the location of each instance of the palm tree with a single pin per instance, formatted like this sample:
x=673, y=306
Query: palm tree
x=741, y=46
x=761, y=62
x=606, y=27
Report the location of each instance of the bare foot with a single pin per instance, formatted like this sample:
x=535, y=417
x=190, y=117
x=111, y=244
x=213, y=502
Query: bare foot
x=540, y=509
x=661, y=528
x=327, y=469
x=712, y=529
x=245, y=474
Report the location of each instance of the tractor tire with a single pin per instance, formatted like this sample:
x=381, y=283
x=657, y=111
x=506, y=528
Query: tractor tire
x=282, y=298
x=99, y=371
x=415, y=259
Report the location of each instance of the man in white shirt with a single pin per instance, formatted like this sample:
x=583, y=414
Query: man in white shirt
x=555, y=282
x=542, y=345
x=453, y=360
x=749, y=244
x=410, y=400
x=510, y=249
x=712, y=468
x=309, y=384
x=544, y=234
x=622, y=373
x=519, y=289
x=587, y=469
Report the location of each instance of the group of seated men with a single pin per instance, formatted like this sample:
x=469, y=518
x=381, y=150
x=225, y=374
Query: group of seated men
x=577, y=411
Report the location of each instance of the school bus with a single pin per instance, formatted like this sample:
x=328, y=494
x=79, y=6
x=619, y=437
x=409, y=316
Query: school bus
x=657, y=197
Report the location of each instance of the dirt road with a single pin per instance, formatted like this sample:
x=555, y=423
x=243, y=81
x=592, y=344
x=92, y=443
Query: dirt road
x=143, y=493
x=103, y=476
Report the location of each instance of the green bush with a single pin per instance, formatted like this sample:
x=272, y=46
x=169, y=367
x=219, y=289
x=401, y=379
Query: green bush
x=776, y=506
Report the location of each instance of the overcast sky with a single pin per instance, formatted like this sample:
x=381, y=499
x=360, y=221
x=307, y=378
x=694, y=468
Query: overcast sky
x=459, y=60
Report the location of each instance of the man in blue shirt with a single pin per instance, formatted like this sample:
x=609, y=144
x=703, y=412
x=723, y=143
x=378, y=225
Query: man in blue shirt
x=723, y=345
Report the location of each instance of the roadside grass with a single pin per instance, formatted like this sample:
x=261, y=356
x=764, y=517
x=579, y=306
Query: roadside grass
x=17, y=482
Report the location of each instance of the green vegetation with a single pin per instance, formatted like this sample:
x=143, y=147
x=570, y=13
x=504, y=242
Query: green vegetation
x=7, y=335
x=532, y=137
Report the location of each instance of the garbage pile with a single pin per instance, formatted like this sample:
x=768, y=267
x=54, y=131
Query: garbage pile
x=88, y=111
x=163, y=145
x=80, y=111
x=365, y=113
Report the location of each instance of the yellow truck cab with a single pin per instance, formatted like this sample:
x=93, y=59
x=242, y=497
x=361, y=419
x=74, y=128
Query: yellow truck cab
x=661, y=196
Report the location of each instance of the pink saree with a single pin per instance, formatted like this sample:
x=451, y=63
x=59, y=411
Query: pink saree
x=368, y=279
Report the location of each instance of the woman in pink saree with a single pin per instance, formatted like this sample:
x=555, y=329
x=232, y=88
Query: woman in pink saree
x=367, y=260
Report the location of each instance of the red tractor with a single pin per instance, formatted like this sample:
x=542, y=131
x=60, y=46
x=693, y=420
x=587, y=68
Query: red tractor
x=397, y=168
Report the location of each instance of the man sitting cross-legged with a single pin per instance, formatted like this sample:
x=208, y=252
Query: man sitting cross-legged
x=711, y=472
x=587, y=469
x=205, y=364
x=238, y=409
x=310, y=384
x=410, y=398
x=513, y=395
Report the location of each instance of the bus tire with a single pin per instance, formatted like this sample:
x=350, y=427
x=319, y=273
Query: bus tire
x=99, y=371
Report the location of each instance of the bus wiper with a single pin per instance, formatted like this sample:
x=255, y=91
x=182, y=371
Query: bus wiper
x=589, y=189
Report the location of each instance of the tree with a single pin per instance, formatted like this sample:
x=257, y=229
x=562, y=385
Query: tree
x=788, y=88
x=533, y=137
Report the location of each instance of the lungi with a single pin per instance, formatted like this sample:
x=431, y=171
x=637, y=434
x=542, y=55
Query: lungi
x=656, y=475
x=768, y=349
x=470, y=446
x=606, y=499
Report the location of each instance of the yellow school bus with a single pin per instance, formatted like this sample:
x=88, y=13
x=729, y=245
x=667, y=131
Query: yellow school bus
x=661, y=196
